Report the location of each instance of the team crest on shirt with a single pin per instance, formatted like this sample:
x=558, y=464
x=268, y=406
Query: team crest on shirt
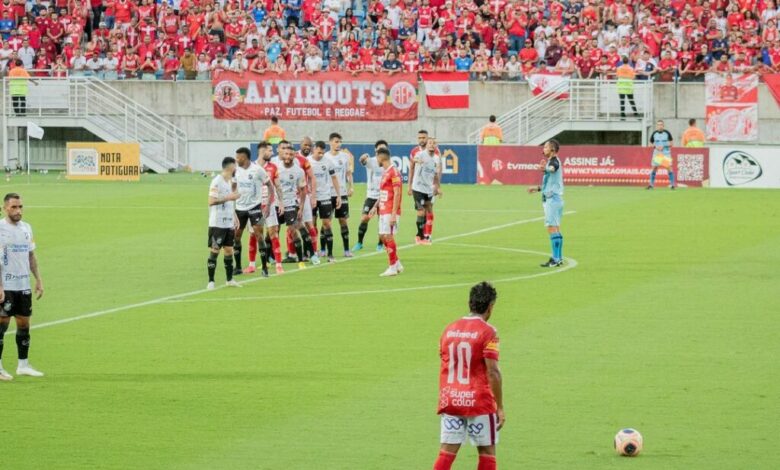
x=227, y=94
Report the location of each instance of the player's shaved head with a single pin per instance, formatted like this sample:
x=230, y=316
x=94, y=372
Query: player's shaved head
x=306, y=144
x=482, y=298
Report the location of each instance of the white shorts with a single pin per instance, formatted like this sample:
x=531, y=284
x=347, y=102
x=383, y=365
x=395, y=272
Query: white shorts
x=307, y=214
x=272, y=220
x=384, y=225
x=481, y=430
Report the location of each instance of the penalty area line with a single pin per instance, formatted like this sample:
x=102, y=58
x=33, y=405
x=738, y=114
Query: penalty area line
x=169, y=298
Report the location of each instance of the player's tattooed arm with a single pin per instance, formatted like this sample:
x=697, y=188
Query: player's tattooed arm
x=279, y=198
x=495, y=380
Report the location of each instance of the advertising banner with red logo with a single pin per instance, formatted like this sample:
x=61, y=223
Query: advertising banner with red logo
x=732, y=107
x=596, y=165
x=327, y=96
x=542, y=82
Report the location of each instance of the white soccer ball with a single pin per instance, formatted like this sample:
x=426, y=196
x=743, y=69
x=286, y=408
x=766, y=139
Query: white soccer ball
x=628, y=442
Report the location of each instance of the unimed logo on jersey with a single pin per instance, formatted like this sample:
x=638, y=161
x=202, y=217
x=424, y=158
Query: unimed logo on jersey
x=83, y=162
x=403, y=95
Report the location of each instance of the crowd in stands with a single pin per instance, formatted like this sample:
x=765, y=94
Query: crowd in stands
x=491, y=39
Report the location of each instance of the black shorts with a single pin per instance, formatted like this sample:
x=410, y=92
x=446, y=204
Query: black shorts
x=420, y=199
x=254, y=216
x=368, y=204
x=291, y=216
x=323, y=210
x=343, y=211
x=221, y=237
x=17, y=303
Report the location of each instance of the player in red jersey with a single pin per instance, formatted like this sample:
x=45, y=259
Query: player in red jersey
x=470, y=395
x=422, y=141
x=389, y=202
x=264, y=153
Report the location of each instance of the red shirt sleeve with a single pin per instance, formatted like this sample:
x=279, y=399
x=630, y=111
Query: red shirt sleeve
x=490, y=348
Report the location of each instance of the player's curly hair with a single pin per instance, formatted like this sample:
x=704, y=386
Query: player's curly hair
x=481, y=297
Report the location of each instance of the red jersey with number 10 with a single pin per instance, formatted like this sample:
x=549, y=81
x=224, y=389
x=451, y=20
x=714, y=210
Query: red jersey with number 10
x=464, y=389
x=390, y=184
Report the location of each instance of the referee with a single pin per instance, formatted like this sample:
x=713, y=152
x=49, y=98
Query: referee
x=18, y=262
x=552, y=199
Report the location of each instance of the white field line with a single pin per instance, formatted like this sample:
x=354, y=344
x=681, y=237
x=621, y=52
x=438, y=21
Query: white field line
x=203, y=208
x=169, y=298
x=570, y=264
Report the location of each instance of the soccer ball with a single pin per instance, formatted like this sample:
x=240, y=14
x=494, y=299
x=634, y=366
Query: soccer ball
x=628, y=442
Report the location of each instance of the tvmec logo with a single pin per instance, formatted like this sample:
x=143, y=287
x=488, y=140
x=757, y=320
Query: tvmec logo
x=740, y=167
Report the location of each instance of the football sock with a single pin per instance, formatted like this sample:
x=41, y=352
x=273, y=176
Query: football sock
x=428, y=224
x=298, y=244
x=313, y=236
x=555, y=240
x=3, y=329
x=23, y=342
x=445, y=460
x=392, y=252
x=277, y=248
x=323, y=239
x=228, y=267
x=328, y=244
x=212, y=265
x=420, y=226
x=345, y=236
x=237, y=253
x=652, y=178
x=671, y=178
x=362, y=231
x=253, y=243
x=263, y=253
x=487, y=462
x=290, y=243
x=308, y=250
x=559, y=247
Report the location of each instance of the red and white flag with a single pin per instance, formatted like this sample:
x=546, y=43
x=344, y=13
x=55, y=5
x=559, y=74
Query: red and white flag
x=541, y=82
x=446, y=90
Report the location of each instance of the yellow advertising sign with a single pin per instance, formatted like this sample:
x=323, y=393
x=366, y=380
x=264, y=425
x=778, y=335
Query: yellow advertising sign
x=104, y=161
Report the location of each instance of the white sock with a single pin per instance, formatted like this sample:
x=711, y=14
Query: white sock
x=252, y=264
x=23, y=363
x=1, y=364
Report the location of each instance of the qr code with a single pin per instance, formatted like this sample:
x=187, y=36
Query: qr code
x=690, y=167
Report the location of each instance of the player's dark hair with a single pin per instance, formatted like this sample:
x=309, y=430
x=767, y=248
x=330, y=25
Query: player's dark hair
x=334, y=135
x=691, y=122
x=481, y=297
x=383, y=151
x=275, y=120
x=422, y=131
x=492, y=118
x=227, y=161
x=262, y=144
x=10, y=196
x=283, y=142
x=380, y=143
x=320, y=144
x=245, y=151
x=554, y=144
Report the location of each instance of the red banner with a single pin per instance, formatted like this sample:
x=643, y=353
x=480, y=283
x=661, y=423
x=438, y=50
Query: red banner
x=596, y=165
x=773, y=83
x=328, y=96
x=731, y=107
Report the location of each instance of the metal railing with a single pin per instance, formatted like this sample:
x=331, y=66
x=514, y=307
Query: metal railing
x=570, y=101
x=114, y=115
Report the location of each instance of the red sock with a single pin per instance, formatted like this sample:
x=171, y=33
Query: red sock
x=277, y=249
x=428, y=230
x=445, y=461
x=313, y=235
x=290, y=243
x=252, y=248
x=487, y=462
x=392, y=251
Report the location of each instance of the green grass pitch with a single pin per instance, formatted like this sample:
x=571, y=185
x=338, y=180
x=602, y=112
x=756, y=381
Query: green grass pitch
x=669, y=323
